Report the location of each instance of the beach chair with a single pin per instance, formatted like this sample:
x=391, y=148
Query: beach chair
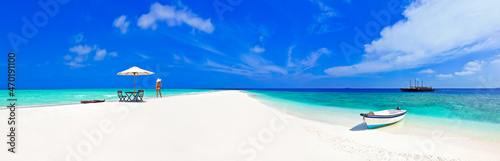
x=140, y=94
x=121, y=96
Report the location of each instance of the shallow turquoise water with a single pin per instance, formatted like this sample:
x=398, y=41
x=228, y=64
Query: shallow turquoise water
x=472, y=115
x=56, y=96
x=468, y=104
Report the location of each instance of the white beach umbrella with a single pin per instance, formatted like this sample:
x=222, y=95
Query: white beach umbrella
x=135, y=71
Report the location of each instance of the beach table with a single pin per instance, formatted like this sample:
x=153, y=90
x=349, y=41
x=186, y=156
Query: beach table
x=131, y=96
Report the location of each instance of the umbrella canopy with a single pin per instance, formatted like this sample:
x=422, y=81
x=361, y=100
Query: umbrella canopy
x=135, y=71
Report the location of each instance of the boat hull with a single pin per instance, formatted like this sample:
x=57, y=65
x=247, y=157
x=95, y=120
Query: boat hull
x=418, y=90
x=375, y=122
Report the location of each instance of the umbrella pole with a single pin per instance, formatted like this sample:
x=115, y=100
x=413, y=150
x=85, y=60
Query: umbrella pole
x=134, y=82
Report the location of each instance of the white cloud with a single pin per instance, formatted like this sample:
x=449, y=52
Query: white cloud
x=289, y=62
x=81, y=50
x=177, y=57
x=257, y=49
x=174, y=16
x=496, y=62
x=323, y=21
x=253, y=65
x=80, y=58
x=326, y=12
x=114, y=54
x=186, y=60
x=468, y=69
x=263, y=32
x=100, y=54
x=444, y=76
x=68, y=57
x=121, y=23
x=78, y=38
x=474, y=65
x=76, y=61
x=434, y=31
x=462, y=73
x=260, y=65
x=75, y=64
x=427, y=71
x=143, y=56
x=213, y=66
x=471, y=68
x=183, y=58
x=82, y=54
x=309, y=62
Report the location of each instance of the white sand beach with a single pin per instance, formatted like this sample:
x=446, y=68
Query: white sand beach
x=222, y=125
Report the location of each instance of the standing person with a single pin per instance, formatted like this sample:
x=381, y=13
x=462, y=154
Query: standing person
x=158, y=85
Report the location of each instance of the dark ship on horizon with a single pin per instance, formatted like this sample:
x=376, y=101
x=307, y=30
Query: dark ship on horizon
x=417, y=88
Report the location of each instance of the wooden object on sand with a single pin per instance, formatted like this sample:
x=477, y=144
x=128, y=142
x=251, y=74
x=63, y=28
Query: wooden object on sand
x=93, y=101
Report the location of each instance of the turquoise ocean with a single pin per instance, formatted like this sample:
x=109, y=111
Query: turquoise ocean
x=473, y=113
x=44, y=97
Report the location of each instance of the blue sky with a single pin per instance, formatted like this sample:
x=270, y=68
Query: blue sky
x=253, y=44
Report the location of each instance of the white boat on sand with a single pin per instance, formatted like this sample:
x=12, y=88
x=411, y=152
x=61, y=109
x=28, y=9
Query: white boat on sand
x=382, y=118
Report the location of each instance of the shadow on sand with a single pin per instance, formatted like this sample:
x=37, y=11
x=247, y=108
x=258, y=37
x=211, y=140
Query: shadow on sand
x=360, y=127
